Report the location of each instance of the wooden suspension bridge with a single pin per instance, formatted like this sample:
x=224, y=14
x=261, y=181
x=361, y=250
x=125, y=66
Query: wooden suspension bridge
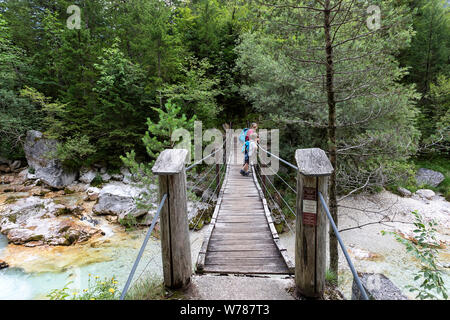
x=241, y=238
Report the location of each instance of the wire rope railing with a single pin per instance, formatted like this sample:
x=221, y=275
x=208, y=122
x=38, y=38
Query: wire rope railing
x=207, y=200
x=273, y=200
x=344, y=250
x=141, y=251
x=325, y=207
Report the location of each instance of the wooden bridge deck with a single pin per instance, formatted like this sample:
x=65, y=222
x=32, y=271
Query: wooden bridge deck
x=242, y=238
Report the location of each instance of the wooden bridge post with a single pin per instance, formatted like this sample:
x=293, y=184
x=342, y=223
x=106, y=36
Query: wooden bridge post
x=311, y=224
x=175, y=243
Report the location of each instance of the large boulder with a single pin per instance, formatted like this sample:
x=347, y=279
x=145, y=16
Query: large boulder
x=377, y=287
x=404, y=192
x=119, y=199
x=87, y=175
x=39, y=152
x=425, y=194
x=429, y=177
x=34, y=221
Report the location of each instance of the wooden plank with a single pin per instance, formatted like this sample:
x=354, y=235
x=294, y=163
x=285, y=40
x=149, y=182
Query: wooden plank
x=214, y=246
x=211, y=268
x=243, y=229
x=244, y=254
x=239, y=236
x=243, y=219
x=222, y=241
x=245, y=261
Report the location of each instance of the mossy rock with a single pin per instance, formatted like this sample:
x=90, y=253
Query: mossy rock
x=279, y=227
x=67, y=191
x=12, y=218
x=11, y=200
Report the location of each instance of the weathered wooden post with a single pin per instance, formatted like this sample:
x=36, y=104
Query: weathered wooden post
x=311, y=225
x=175, y=243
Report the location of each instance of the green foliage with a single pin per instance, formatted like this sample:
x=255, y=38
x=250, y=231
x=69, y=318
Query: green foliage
x=129, y=222
x=423, y=248
x=331, y=278
x=151, y=288
x=97, y=289
x=159, y=134
x=433, y=162
x=197, y=92
x=375, y=114
x=97, y=181
x=17, y=114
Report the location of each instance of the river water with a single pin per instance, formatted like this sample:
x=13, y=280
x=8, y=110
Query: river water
x=37, y=271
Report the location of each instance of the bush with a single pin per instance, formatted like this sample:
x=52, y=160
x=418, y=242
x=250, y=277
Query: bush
x=97, y=290
x=97, y=181
x=129, y=222
x=432, y=285
x=149, y=289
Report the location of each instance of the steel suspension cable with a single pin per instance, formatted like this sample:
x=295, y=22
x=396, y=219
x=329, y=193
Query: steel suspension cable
x=284, y=161
x=207, y=157
x=281, y=211
x=289, y=207
x=144, y=244
x=287, y=184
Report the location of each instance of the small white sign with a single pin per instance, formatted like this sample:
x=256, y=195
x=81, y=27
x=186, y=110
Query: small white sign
x=310, y=206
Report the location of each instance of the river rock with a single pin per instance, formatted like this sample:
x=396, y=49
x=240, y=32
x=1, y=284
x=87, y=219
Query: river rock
x=118, y=199
x=377, y=287
x=429, y=177
x=87, y=175
x=127, y=176
x=15, y=165
x=3, y=265
x=425, y=194
x=106, y=177
x=404, y=192
x=39, y=152
x=117, y=177
x=92, y=194
x=35, y=221
x=5, y=168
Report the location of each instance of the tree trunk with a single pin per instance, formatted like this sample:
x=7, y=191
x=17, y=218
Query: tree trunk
x=331, y=136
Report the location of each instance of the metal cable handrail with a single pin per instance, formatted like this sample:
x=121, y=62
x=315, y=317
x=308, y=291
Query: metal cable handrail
x=287, y=184
x=212, y=181
x=289, y=207
x=284, y=161
x=144, y=244
x=341, y=243
x=202, y=179
x=209, y=156
x=281, y=211
x=208, y=202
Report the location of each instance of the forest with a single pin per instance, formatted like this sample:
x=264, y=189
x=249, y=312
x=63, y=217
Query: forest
x=372, y=91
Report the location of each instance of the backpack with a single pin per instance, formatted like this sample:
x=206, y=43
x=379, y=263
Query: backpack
x=243, y=135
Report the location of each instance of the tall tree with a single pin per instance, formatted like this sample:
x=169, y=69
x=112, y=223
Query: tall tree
x=17, y=114
x=321, y=64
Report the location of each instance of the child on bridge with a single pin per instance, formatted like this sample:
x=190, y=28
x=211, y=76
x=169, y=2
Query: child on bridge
x=250, y=152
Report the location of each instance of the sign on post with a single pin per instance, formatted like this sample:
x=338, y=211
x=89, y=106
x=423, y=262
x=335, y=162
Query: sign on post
x=309, y=206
